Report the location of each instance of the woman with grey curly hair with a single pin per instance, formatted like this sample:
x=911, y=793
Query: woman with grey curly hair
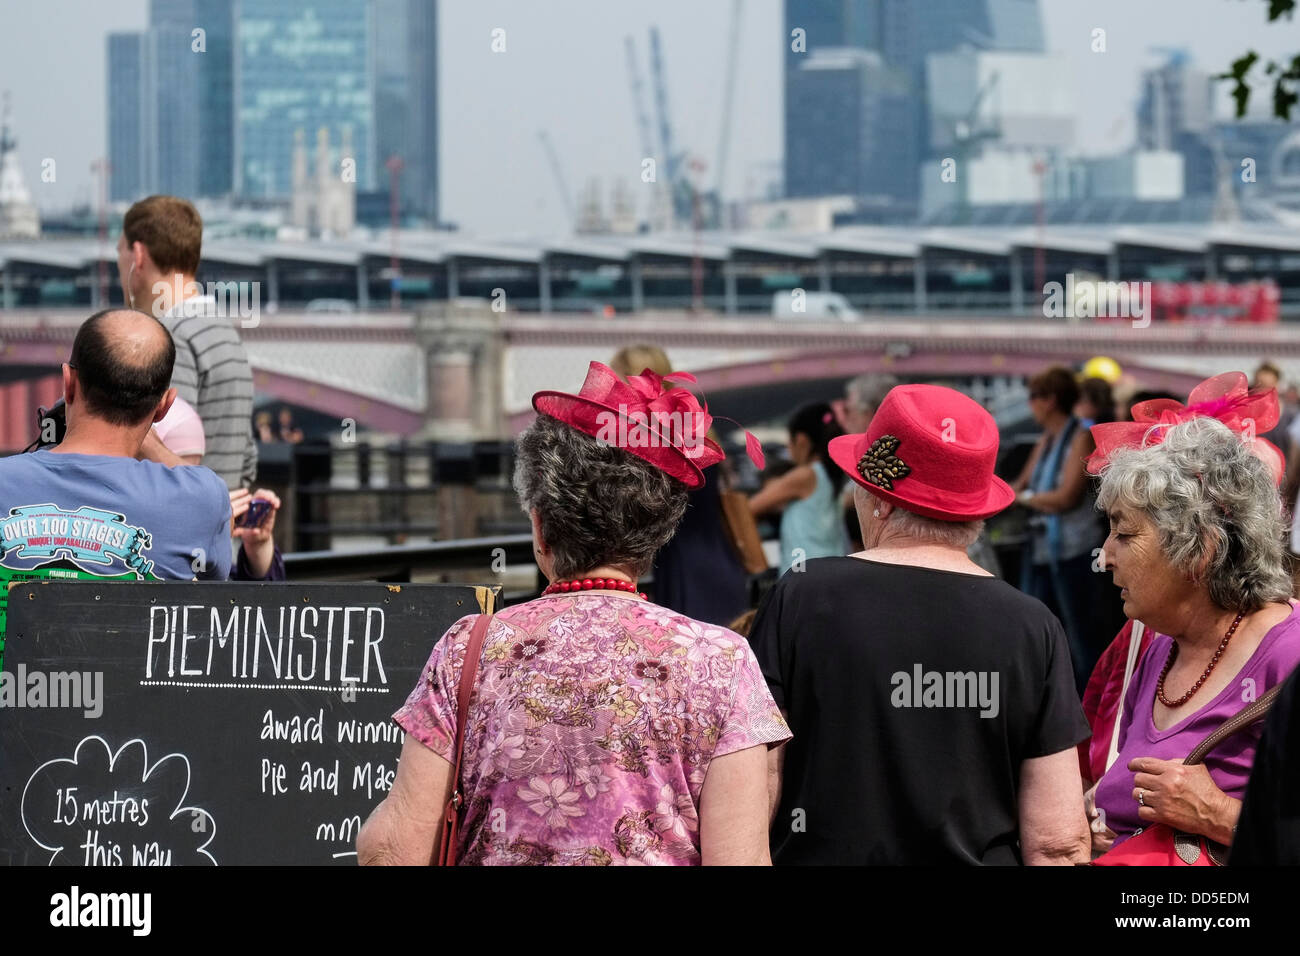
x=1196, y=547
x=602, y=729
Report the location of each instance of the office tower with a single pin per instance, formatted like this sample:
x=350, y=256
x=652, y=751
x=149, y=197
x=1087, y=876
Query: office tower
x=1176, y=98
x=302, y=66
x=904, y=33
x=910, y=30
x=169, y=109
x=179, y=130
x=216, y=98
x=406, y=100
x=422, y=165
x=845, y=121
x=131, y=138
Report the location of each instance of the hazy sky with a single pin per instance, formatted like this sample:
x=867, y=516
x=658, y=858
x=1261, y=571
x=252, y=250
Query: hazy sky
x=564, y=69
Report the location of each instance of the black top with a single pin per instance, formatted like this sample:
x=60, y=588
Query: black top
x=1268, y=831
x=698, y=572
x=914, y=695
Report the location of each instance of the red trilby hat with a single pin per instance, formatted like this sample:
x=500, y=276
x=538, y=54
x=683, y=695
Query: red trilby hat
x=930, y=450
x=647, y=417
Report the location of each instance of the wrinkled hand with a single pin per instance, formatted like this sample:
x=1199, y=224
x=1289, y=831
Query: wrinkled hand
x=1182, y=796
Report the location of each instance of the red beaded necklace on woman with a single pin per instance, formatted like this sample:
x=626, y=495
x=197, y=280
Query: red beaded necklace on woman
x=1173, y=655
x=593, y=584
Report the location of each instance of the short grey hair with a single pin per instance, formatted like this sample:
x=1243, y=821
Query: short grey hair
x=953, y=534
x=598, y=504
x=868, y=391
x=1211, y=500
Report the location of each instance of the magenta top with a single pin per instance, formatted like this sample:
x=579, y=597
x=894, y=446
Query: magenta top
x=1229, y=763
x=593, y=725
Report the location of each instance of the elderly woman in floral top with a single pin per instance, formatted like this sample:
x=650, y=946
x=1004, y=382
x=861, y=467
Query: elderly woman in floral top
x=603, y=729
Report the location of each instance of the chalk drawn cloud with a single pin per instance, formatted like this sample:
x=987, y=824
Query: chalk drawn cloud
x=102, y=808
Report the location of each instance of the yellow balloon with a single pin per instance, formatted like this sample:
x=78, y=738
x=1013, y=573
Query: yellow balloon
x=1102, y=366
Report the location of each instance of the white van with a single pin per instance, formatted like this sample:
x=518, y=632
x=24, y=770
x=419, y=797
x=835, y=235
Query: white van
x=795, y=304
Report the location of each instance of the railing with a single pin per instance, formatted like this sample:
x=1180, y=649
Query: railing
x=393, y=492
x=488, y=558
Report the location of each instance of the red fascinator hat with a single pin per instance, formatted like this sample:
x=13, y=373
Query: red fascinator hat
x=1225, y=398
x=647, y=417
x=930, y=450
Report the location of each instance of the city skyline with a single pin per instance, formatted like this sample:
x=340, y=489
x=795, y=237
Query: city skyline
x=494, y=175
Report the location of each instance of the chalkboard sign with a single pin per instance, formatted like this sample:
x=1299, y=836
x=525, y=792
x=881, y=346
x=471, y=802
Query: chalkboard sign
x=201, y=723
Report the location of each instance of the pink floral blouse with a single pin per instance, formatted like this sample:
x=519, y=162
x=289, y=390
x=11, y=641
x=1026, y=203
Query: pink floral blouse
x=591, y=729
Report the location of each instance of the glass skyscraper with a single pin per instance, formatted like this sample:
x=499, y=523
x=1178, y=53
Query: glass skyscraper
x=406, y=99
x=130, y=116
x=169, y=108
x=301, y=66
x=888, y=95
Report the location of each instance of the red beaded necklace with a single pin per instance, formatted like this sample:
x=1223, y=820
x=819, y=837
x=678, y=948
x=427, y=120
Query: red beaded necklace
x=1173, y=656
x=593, y=584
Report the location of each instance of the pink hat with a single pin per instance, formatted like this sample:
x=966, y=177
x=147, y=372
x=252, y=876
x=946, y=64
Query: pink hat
x=668, y=427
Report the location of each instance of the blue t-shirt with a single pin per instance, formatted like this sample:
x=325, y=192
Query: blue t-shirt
x=114, y=517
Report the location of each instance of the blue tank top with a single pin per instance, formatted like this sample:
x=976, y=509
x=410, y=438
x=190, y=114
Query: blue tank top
x=1059, y=537
x=813, y=524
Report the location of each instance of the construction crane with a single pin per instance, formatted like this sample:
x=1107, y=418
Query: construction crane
x=682, y=191
x=966, y=137
x=565, y=196
x=638, y=100
x=728, y=92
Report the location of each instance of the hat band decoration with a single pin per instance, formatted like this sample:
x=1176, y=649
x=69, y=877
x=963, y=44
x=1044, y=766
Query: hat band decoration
x=687, y=407
x=1226, y=398
x=647, y=416
x=880, y=466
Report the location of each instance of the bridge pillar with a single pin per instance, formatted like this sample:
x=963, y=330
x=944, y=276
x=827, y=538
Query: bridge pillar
x=273, y=283
x=1211, y=265
x=1112, y=266
x=729, y=287
x=6, y=288
x=543, y=284
x=463, y=349
x=453, y=280
x=638, y=293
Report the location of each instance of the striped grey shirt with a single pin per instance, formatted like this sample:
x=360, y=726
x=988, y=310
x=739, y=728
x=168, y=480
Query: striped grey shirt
x=212, y=374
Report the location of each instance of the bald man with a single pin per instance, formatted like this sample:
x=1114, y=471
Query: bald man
x=89, y=505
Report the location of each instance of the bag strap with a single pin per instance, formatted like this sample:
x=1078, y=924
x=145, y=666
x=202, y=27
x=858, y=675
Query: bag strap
x=464, y=691
x=1243, y=718
x=1134, y=643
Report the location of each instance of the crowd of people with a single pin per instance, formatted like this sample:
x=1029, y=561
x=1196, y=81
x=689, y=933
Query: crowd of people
x=886, y=696
x=898, y=703
x=150, y=391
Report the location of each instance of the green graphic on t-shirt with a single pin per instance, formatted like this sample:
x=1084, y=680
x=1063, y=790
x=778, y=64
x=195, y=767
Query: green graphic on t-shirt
x=9, y=576
x=69, y=541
